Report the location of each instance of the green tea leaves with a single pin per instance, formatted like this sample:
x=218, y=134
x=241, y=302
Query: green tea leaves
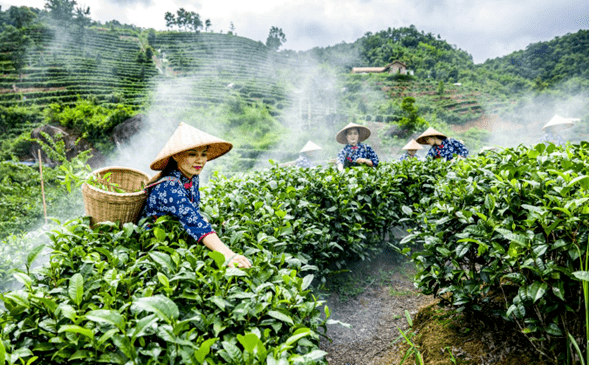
x=159, y=305
x=76, y=289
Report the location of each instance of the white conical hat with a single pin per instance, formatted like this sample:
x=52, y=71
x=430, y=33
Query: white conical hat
x=310, y=146
x=559, y=123
x=412, y=145
x=430, y=132
x=185, y=138
x=363, y=133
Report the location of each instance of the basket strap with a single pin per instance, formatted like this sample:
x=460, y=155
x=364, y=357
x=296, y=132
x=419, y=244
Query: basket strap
x=167, y=178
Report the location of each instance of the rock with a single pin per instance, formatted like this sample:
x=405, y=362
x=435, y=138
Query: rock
x=72, y=143
x=123, y=132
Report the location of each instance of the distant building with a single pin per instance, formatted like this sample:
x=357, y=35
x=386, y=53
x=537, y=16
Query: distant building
x=394, y=67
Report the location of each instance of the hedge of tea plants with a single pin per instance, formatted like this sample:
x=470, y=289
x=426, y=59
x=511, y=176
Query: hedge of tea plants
x=137, y=295
x=327, y=216
x=509, y=231
x=134, y=295
x=505, y=233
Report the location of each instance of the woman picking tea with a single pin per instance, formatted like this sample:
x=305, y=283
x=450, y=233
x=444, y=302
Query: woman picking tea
x=174, y=191
x=355, y=153
x=442, y=146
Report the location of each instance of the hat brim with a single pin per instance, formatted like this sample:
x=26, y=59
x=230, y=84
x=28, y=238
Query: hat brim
x=215, y=150
x=187, y=138
x=430, y=132
x=412, y=145
x=363, y=133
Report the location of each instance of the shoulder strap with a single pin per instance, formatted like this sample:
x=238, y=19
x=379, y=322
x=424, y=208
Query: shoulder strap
x=167, y=178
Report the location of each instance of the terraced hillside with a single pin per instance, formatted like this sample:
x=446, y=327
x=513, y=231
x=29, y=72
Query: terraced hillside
x=375, y=97
x=213, y=66
x=201, y=70
x=63, y=65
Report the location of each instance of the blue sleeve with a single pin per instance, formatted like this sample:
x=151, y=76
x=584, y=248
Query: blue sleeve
x=171, y=199
x=341, y=156
x=372, y=156
x=460, y=149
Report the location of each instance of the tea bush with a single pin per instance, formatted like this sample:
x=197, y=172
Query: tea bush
x=510, y=231
x=134, y=295
x=329, y=217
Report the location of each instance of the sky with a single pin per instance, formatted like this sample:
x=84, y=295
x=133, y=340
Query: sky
x=484, y=28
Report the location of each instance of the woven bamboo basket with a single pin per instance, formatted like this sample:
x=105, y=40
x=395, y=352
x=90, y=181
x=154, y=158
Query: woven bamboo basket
x=103, y=206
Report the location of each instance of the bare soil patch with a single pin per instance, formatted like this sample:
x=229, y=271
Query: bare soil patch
x=373, y=298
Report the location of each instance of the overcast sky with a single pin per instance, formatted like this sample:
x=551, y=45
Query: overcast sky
x=483, y=28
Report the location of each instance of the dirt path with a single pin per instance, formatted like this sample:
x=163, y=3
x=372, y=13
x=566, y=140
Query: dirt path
x=386, y=291
x=372, y=300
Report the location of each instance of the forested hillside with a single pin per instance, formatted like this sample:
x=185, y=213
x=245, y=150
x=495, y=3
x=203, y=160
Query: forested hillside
x=548, y=63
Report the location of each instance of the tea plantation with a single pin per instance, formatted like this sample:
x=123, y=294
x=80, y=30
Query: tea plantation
x=490, y=234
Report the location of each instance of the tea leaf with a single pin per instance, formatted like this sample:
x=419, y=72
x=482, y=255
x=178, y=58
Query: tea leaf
x=77, y=329
x=34, y=253
x=249, y=341
x=76, y=289
x=107, y=316
x=204, y=350
x=280, y=316
x=159, y=305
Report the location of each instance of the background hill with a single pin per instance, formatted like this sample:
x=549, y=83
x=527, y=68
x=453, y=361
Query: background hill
x=91, y=77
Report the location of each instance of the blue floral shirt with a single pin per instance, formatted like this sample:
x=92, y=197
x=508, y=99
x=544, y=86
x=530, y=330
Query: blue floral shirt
x=406, y=156
x=554, y=138
x=180, y=201
x=348, y=155
x=303, y=161
x=447, y=149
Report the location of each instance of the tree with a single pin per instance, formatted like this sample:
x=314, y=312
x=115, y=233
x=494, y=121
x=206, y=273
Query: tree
x=149, y=53
x=151, y=37
x=193, y=21
x=411, y=120
x=231, y=28
x=21, y=16
x=275, y=38
x=440, y=90
x=184, y=20
x=61, y=10
x=170, y=19
x=208, y=24
x=82, y=20
x=15, y=43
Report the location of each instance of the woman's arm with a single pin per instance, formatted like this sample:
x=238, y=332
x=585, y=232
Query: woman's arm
x=214, y=243
x=168, y=198
x=372, y=159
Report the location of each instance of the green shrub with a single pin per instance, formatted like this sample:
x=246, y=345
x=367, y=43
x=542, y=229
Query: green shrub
x=511, y=227
x=143, y=296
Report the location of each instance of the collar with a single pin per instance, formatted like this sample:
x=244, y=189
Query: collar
x=185, y=181
x=356, y=146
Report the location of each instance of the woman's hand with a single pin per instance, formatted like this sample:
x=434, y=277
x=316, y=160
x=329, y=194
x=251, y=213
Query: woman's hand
x=239, y=261
x=213, y=242
x=364, y=161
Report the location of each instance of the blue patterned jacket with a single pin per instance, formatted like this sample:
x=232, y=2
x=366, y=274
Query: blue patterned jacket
x=554, y=138
x=179, y=200
x=447, y=149
x=348, y=155
x=303, y=161
x=406, y=156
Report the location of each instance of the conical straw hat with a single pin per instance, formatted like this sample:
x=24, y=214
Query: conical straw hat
x=412, y=145
x=363, y=132
x=310, y=146
x=558, y=123
x=187, y=137
x=430, y=132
